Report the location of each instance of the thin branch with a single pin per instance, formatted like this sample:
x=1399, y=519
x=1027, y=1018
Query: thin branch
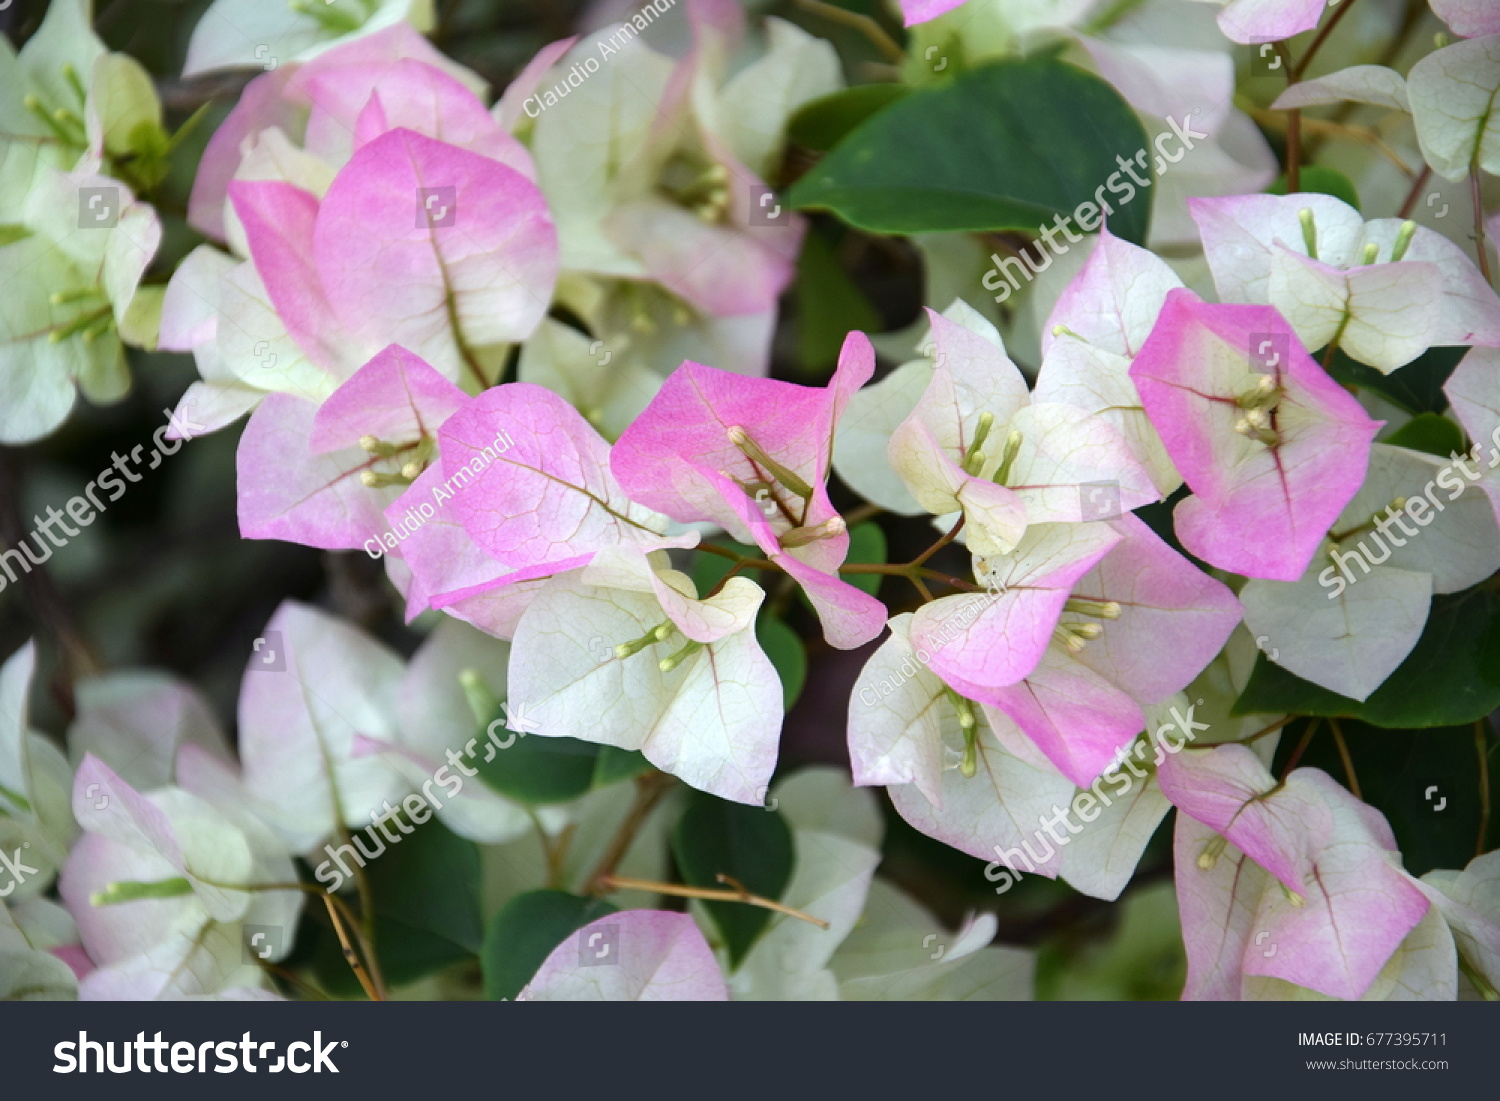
x=1317, y=43
x=1416, y=189
x=1479, y=241
x=649, y=790
x=350, y=956
x=738, y=894
x=1338, y=740
x=941, y=543
x=1291, y=762
x=861, y=23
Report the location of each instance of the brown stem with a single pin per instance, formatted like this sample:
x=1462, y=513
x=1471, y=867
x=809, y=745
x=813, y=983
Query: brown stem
x=941, y=543
x=1317, y=43
x=736, y=894
x=1479, y=241
x=861, y=23
x=1416, y=189
x=350, y=956
x=649, y=790
x=1338, y=740
x=1291, y=762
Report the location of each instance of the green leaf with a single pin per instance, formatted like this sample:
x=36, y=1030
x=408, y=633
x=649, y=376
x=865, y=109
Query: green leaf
x=1324, y=181
x=784, y=648
x=1451, y=677
x=751, y=844
x=1417, y=387
x=1008, y=146
x=615, y=764
x=829, y=306
x=427, y=908
x=536, y=770
x=1425, y=782
x=524, y=933
x=1429, y=432
x=866, y=548
x=823, y=122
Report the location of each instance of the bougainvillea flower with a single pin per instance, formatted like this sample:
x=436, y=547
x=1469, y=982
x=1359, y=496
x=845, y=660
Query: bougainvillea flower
x=137, y=722
x=1272, y=448
x=35, y=781
x=1252, y=21
x=1470, y=903
x=1452, y=92
x=986, y=640
x=753, y=455
x=314, y=686
x=1474, y=390
x=317, y=106
x=1468, y=18
x=161, y=884
x=1334, y=900
x=1097, y=327
x=660, y=957
x=76, y=297
x=1135, y=629
x=38, y=952
x=352, y=453
x=626, y=653
x=1384, y=291
x=655, y=166
x=1362, y=605
x=241, y=33
x=531, y=483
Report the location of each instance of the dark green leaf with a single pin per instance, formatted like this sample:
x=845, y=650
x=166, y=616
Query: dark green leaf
x=784, y=648
x=1451, y=677
x=536, y=770
x=427, y=909
x=1008, y=146
x=525, y=931
x=615, y=764
x=1417, y=387
x=1324, y=181
x=1429, y=432
x=829, y=306
x=823, y=122
x=751, y=844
